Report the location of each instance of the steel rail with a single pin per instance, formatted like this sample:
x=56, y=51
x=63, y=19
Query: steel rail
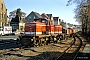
x=66, y=49
x=74, y=55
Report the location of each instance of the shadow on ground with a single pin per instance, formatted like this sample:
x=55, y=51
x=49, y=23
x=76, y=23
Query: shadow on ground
x=53, y=56
x=9, y=44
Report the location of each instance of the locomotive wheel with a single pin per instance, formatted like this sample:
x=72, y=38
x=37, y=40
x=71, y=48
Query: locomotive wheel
x=37, y=43
x=55, y=40
x=47, y=41
x=57, y=37
x=61, y=37
x=42, y=42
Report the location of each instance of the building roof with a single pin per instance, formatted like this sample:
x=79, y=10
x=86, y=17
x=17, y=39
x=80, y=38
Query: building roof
x=45, y=16
x=37, y=14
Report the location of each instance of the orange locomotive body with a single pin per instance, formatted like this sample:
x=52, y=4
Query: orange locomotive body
x=41, y=27
x=40, y=30
x=34, y=28
x=57, y=29
x=69, y=31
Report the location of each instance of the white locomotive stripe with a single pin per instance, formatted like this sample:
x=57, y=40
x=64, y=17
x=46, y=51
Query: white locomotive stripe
x=38, y=32
x=57, y=32
x=51, y=32
x=60, y=32
x=33, y=32
x=29, y=32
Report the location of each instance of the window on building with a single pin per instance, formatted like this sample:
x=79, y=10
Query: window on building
x=21, y=27
x=34, y=17
x=2, y=15
x=2, y=6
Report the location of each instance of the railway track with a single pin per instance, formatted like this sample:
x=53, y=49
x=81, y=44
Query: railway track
x=10, y=45
x=7, y=47
x=71, y=52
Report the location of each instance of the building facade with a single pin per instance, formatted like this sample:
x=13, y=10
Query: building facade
x=3, y=14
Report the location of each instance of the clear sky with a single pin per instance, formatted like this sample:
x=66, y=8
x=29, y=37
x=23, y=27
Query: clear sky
x=55, y=7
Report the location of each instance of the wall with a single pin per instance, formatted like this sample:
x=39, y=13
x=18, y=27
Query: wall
x=3, y=14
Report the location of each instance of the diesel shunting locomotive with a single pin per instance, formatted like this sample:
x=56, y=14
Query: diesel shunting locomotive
x=42, y=32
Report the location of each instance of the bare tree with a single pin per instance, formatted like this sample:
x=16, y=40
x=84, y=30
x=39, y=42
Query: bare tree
x=18, y=13
x=82, y=13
